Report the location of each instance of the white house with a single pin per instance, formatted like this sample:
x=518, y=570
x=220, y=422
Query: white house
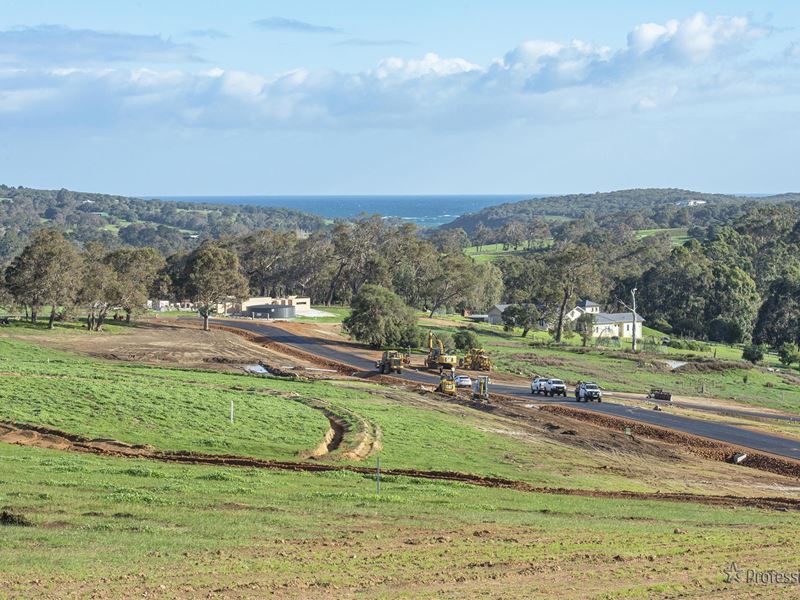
x=620, y=325
x=583, y=306
x=608, y=325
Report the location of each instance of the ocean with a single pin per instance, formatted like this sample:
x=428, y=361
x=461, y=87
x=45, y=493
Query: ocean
x=425, y=211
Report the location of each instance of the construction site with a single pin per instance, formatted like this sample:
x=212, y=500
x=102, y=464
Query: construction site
x=385, y=443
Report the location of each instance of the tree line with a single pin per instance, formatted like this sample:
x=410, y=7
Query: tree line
x=331, y=266
x=733, y=282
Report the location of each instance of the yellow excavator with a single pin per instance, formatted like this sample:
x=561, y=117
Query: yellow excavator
x=437, y=357
x=477, y=359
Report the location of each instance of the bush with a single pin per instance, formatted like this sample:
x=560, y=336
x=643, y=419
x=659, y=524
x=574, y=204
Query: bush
x=464, y=339
x=789, y=353
x=681, y=344
x=379, y=317
x=753, y=353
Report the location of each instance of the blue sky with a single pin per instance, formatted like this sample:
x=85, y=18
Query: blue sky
x=399, y=97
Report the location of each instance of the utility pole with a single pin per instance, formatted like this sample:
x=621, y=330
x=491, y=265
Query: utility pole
x=633, y=335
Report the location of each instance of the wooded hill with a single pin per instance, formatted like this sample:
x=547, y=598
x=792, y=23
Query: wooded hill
x=114, y=220
x=642, y=209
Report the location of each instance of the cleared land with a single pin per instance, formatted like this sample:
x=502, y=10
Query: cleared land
x=116, y=526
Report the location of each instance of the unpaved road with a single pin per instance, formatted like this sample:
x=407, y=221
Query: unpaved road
x=327, y=349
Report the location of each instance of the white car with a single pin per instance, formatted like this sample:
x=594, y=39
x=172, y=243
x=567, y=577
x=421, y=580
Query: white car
x=463, y=381
x=537, y=385
x=554, y=387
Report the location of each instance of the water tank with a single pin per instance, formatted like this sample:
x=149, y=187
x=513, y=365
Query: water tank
x=271, y=311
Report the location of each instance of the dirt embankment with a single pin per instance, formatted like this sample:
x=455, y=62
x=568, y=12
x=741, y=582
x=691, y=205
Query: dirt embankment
x=44, y=437
x=703, y=447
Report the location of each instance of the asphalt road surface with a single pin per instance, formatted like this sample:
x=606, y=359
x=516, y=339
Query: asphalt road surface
x=719, y=431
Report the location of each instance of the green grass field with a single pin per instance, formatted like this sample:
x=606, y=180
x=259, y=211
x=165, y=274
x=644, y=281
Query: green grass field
x=339, y=314
x=125, y=529
x=678, y=235
x=130, y=527
x=493, y=251
x=177, y=409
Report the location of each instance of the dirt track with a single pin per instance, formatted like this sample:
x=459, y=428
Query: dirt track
x=43, y=437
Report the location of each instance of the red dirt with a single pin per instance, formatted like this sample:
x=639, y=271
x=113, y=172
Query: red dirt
x=44, y=437
x=700, y=446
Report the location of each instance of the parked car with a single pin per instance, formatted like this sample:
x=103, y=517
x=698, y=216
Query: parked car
x=537, y=385
x=588, y=392
x=463, y=381
x=555, y=387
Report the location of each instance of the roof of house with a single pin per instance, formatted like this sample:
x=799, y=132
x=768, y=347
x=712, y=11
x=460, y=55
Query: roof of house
x=500, y=307
x=612, y=318
x=586, y=303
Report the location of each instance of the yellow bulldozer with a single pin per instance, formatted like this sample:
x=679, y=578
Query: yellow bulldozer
x=477, y=359
x=391, y=361
x=437, y=357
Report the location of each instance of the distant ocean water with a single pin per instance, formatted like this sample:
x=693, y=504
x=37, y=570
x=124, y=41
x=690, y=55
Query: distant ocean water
x=425, y=211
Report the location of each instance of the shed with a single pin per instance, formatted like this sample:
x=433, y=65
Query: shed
x=271, y=311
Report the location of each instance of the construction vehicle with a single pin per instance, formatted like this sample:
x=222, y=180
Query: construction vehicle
x=447, y=383
x=659, y=394
x=477, y=359
x=437, y=357
x=390, y=361
x=480, y=388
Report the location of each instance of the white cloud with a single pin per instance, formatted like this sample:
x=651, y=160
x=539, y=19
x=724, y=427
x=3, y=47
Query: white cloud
x=430, y=65
x=539, y=80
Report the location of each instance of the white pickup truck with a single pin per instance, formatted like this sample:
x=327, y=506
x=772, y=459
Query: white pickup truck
x=555, y=387
x=548, y=387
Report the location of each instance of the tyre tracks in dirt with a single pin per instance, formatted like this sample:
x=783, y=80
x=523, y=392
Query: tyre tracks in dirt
x=49, y=438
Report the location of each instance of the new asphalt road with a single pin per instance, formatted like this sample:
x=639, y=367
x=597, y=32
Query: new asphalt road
x=719, y=431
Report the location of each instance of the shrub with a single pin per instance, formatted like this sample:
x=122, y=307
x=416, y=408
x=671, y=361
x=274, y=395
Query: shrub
x=753, y=353
x=464, y=339
x=789, y=353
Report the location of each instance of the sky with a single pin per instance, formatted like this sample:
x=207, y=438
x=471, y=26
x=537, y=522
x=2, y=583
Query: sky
x=399, y=97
